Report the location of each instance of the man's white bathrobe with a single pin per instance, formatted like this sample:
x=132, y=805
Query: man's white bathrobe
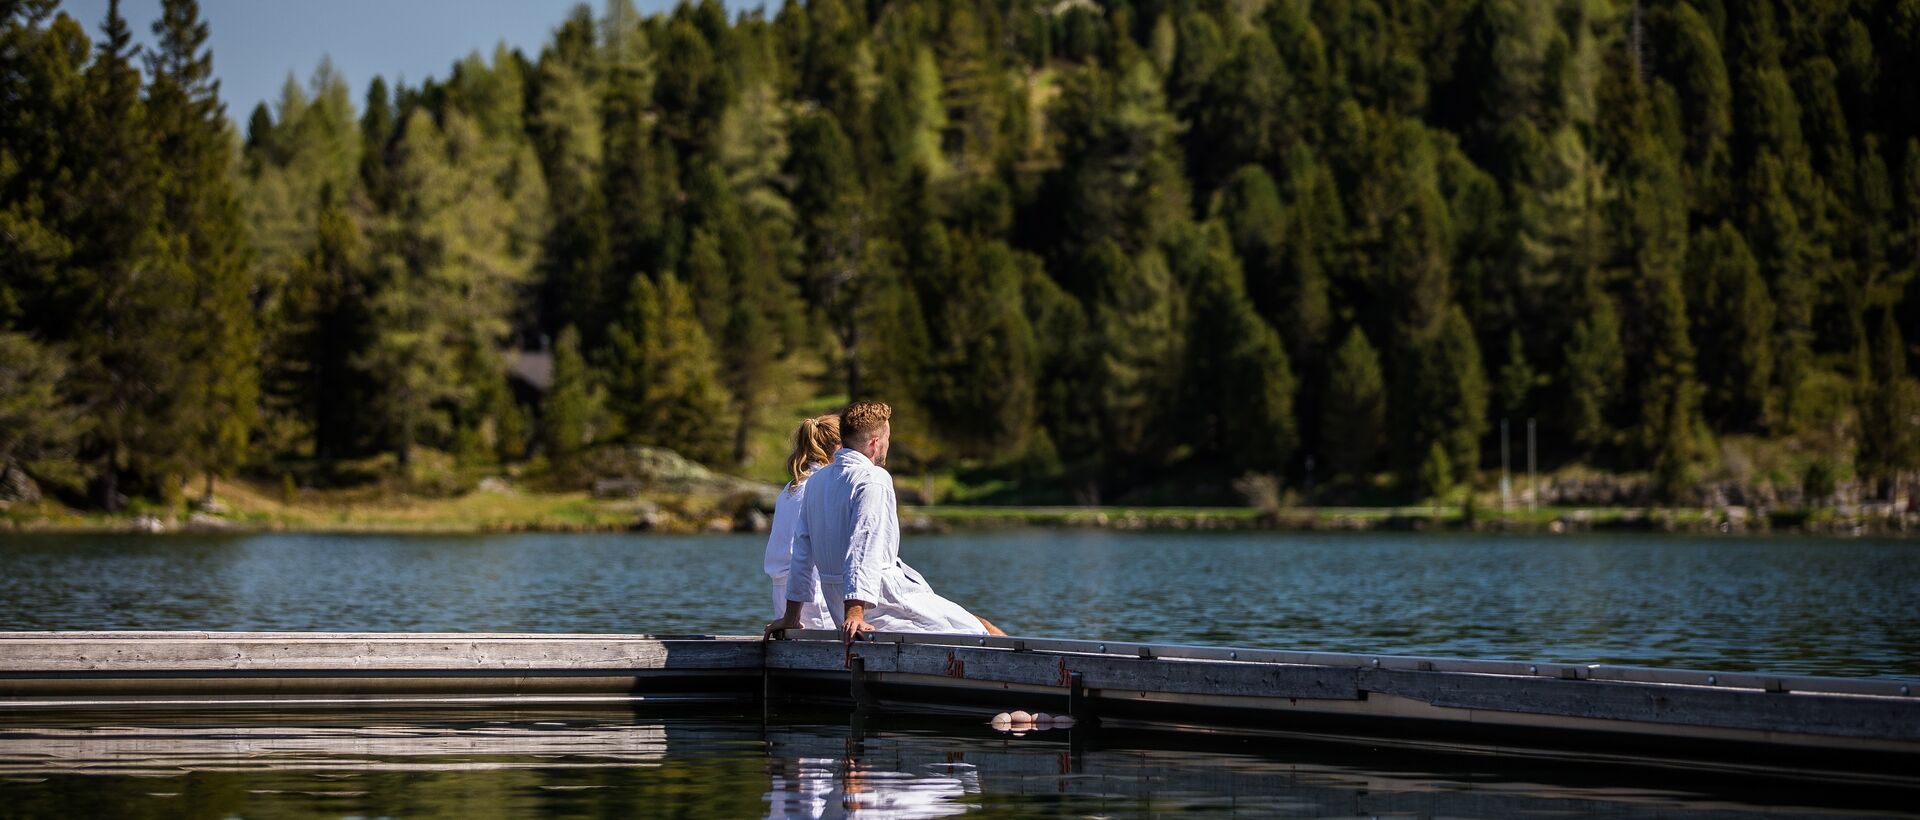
x=846, y=544
x=779, y=559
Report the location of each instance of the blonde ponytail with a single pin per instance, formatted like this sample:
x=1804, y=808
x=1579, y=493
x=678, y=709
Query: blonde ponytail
x=813, y=444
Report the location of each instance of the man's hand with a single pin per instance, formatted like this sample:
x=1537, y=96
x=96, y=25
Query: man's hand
x=783, y=623
x=855, y=624
x=790, y=620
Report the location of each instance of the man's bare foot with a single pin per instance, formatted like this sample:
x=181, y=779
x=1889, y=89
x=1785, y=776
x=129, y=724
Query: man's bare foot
x=991, y=629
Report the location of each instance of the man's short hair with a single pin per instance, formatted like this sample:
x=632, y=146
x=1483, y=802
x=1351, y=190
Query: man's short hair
x=862, y=419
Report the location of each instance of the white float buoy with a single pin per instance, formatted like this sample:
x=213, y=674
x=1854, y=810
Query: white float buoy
x=1021, y=716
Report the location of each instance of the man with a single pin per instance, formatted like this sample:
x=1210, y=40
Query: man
x=846, y=543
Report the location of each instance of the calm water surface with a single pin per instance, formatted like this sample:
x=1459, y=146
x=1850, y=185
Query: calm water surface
x=621, y=764
x=1839, y=607
x=1827, y=607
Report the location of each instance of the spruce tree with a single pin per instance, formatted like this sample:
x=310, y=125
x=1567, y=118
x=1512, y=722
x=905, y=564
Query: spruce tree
x=1889, y=442
x=1437, y=472
x=1137, y=316
x=1670, y=397
x=1239, y=386
x=221, y=378
x=983, y=355
x=1456, y=394
x=133, y=283
x=1517, y=378
x=834, y=228
x=1353, y=425
x=1733, y=319
x=314, y=378
x=1594, y=366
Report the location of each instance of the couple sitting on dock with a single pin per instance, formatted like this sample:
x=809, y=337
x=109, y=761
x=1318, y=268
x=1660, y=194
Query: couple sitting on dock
x=834, y=553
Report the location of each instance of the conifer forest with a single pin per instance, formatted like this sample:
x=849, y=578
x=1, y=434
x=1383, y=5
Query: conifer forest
x=1087, y=250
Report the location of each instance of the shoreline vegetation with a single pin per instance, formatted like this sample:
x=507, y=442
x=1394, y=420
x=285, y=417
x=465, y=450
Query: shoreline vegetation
x=497, y=506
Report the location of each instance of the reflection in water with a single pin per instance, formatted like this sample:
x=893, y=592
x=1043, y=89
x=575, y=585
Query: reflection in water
x=478, y=765
x=1832, y=606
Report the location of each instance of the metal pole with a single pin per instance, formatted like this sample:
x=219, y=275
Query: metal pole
x=1533, y=482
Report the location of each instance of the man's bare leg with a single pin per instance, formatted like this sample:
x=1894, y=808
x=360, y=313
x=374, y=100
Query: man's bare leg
x=991, y=629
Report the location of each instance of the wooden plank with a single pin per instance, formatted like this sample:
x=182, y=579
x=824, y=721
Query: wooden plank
x=398, y=653
x=1872, y=717
x=1792, y=712
x=1098, y=672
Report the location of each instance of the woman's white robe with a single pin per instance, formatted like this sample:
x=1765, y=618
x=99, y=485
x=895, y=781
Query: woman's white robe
x=846, y=546
x=779, y=558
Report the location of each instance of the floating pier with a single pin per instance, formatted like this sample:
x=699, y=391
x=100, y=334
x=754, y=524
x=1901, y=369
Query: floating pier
x=1832, y=728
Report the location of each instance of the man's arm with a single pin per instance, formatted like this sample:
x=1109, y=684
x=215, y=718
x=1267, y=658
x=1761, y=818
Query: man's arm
x=866, y=548
x=803, y=578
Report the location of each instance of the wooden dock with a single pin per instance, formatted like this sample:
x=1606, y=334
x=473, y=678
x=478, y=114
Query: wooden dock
x=1840, y=727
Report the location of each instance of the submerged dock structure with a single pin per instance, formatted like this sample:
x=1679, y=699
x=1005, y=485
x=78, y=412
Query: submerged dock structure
x=1830, y=728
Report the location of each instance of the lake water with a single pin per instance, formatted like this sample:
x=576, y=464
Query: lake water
x=1830, y=607
x=1813, y=606
x=618, y=763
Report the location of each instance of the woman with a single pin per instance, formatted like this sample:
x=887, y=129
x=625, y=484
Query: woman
x=813, y=446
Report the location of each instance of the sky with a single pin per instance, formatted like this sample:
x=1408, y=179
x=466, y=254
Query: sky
x=256, y=42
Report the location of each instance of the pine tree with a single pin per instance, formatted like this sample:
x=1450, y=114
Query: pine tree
x=1239, y=385
x=1353, y=427
x=1137, y=316
x=1698, y=71
x=376, y=132
x=1594, y=366
x=665, y=387
x=1437, y=472
x=133, y=282
x=1734, y=323
x=1455, y=394
x=569, y=412
x=834, y=226
x=323, y=325
x=40, y=426
x=578, y=274
x=1780, y=244
x=1284, y=276
x=42, y=76
x=1517, y=378
x=980, y=384
x=1889, y=442
x=1670, y=397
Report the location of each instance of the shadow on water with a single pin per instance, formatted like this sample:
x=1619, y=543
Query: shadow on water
x=717, y=763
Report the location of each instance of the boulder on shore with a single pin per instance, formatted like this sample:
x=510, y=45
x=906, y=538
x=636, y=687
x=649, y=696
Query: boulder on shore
x=16, y=487
x=628, y=471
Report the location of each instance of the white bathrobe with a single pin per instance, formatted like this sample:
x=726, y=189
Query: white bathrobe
x=846, y=545
x=779, y=558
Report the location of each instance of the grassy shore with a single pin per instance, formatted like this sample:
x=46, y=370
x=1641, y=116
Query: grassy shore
x=248, y=507
x=1415, y=518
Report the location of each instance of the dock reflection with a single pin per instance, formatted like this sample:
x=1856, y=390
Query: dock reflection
x=606, y=762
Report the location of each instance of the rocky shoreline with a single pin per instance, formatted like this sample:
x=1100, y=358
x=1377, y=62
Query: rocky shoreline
x=647, y=517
